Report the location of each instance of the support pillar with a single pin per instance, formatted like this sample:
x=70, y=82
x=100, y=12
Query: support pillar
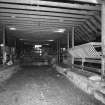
x=103, y=40
x=68, y=40
x=58, y=51
x=83, y=60
x=4, y=48
x=73, y=44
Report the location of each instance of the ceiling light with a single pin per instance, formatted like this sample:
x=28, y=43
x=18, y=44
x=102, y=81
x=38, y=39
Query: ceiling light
x=12, y=28
x=50, y=40
x=23, y=39
x=1, y=45
x=45, y=44
x=60, y=30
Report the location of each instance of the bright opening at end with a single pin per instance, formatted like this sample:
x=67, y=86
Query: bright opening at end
x=60, y=30
x=12, y=28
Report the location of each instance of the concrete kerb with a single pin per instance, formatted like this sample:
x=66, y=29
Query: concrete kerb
x=91, y=87
x=6, y=73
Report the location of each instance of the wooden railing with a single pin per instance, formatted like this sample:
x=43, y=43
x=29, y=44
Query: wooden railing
x=89, y=53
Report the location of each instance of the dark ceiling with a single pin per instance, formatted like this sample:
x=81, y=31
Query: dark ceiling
x=39, y=19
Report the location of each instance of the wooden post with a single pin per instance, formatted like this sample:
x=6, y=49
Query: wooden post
x=73, y=44
x=58, y=51
x=83, y=60
x=103, y=40
x=4, y=48
x=68, y=41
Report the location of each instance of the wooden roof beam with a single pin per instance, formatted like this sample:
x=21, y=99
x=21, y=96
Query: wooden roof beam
x=21, y=12
x=85, y=34
x=44, y=9
x=35, y=20
x=78, y=35
x=36, y=16
x=90, y=1
x=33, y=25
x=91, y=26
x=96, y=24
x=54, y=4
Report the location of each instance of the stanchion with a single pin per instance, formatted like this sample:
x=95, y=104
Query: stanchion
x=73, y=44
x=103, y=40
x=4, y=48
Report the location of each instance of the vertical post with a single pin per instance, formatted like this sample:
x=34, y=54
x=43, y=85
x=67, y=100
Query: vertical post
x=83, y=60
x=23, y=47
x=4, y=41
x=15, y=56
x=57, y=52
x=103, y=40
x=68, y=41
x=73, y=44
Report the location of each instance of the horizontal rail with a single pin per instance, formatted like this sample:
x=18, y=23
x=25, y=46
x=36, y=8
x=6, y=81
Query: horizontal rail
x=89, y=60
x=90, y=69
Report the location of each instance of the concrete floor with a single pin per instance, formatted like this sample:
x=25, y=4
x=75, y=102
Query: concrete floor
x=42, y=86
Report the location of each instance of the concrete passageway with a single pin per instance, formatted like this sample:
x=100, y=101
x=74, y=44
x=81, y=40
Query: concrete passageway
x=55, y=33
x=35, y=85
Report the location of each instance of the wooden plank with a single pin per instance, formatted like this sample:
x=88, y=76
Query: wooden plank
x=36, y=13
x=77, y=36
x=80, y=34
x=34, y=16
x=89, y=33
x=36, y=29
x=90, y=60
x=45, y=9
x=85, y=36
x=39, y=25
x=54, y=4
x=30, y=19
x=91, y=26
x=96, y=23
x=90, y=1
x=85, y=26
x=40, y=20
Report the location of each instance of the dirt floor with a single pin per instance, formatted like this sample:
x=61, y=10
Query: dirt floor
x=34, y=85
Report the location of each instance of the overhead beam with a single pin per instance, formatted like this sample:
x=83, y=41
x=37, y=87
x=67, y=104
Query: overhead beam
x=37, y=29
x=39, y=20
x=96, y=24
x=81, y=35
x=90, y=25
x=98, y=18
x=54, y=4
x=90, y=1
x=85, y=34
x=87, y=28
x=33, y=24
x=88, y=33
x=77, y=35
x=32, y=14
x=36, y=16
x=44, y=9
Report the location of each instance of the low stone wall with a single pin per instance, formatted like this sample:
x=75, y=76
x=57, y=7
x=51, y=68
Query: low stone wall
x=7, y=72
x=92, y=87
